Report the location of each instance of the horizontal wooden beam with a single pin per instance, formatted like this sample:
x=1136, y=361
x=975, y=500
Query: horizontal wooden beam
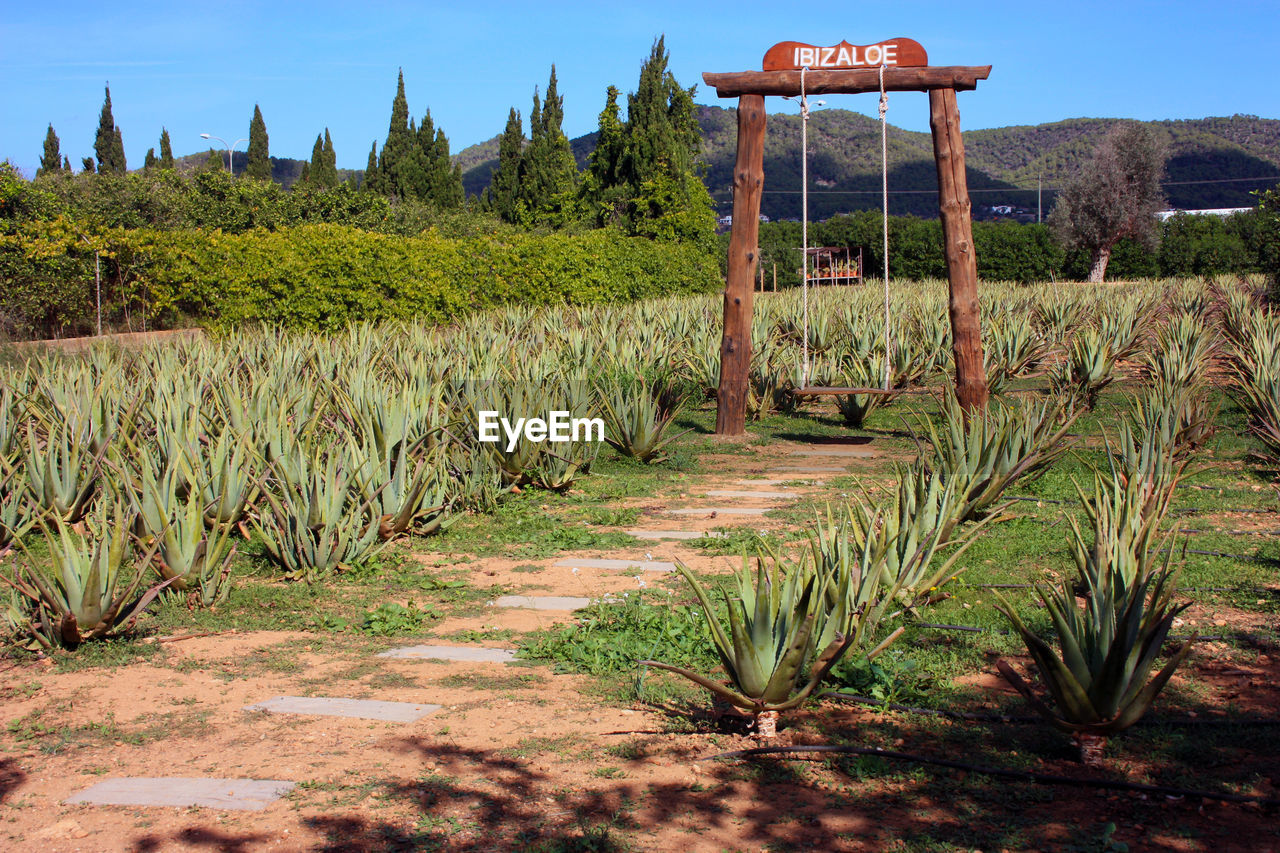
x=735, y=84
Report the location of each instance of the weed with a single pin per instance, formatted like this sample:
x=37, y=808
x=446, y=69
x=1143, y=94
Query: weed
x=391, y=618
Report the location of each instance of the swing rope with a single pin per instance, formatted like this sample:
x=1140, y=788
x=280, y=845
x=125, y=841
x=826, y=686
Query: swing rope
x=884, y=203
x=804, y=227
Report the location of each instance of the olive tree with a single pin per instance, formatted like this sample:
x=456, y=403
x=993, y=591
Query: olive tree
x=1115, y=195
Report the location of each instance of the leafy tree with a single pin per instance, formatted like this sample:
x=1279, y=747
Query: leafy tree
x=1267, y=238
x=51, y=161
x=166, y=149
x=149, y=162
x=1115, y=195
x=108, y=145
x=259, y=154
x=645, y=174
x=504, y=187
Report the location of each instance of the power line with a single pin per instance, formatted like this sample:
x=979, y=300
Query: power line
x=1016, y=189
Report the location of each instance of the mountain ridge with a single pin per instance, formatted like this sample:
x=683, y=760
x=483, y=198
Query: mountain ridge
x=1003, y=164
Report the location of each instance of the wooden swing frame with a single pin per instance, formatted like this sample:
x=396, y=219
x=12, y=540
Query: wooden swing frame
x=751, y=88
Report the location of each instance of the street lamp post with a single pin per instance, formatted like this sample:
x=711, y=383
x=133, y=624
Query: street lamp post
x=229, y=149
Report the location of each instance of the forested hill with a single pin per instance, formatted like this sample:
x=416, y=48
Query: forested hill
x=1003, y=163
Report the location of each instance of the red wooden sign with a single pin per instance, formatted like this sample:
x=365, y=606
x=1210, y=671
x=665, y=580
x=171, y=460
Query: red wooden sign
x=794, y=55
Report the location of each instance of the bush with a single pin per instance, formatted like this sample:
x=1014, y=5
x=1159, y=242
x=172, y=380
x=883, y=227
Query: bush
x=1201, y=245
x=323, y=276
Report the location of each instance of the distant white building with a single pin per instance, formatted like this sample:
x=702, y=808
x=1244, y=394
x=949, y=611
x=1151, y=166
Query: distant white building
x=1216, y=211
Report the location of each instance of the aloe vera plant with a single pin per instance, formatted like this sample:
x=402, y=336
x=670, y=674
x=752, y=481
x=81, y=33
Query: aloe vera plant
x=89, y=586
x=635, y=423
x=316, y=520
x=1256, y=365
x=773, y=628
x=1099, y=678
x=190, y=553
x=1089, y=367
x=981, y=454
x=62, y=471
x=16, y=512
x=901, y=538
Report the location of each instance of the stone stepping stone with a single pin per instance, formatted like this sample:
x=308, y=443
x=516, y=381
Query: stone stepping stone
x=183, y=792
x=745, y=493
x=365, y=709
x=542, y=602
x=775, y=482
x=470, y=654
x=722, y=510
x=856, y=452
x=674, y=534
x=587, y=563
x=827, y=470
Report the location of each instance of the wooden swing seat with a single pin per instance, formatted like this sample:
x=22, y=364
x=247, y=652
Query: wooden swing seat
x=836, y=391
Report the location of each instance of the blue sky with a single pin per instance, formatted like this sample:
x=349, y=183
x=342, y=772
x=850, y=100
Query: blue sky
x=311, y=65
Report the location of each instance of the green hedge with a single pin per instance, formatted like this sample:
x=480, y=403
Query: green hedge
x=324, y=276
x=1008, y=251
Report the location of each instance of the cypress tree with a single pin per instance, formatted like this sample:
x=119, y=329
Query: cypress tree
x=311, y=171
x=108, y=145
x=166, y=150
x=444, y=180
x=369, y=180
x=604, y=165
x=86, y=163
x=322, y=171
x=66, y=165
x=504, y=196
x=150, y=161
x=399, y=150
x=549, y=173
x=51, y=161
x=259, y=154
x=330, y=161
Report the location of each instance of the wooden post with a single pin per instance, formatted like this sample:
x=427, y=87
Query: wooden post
x=962, y=264
x=775, y=276
x=744, y=252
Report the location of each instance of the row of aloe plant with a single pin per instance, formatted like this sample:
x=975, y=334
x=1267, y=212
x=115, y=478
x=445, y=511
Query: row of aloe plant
x=258, y=430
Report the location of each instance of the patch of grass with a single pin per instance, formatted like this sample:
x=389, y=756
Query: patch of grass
x=482, y=635
x=528, y=747
x=607, y=517
x=529, y=526
x=483, y=681
x=43, y=727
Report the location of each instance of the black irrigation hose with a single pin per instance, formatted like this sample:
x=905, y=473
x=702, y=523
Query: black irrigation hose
x=999, y=772
x=1251, y=589
x=967, y=717
x=1038, y=500
x=970, y=628
x=976, y=629
x=1195, y=510
x=1246, y=557
x=1232, y=532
